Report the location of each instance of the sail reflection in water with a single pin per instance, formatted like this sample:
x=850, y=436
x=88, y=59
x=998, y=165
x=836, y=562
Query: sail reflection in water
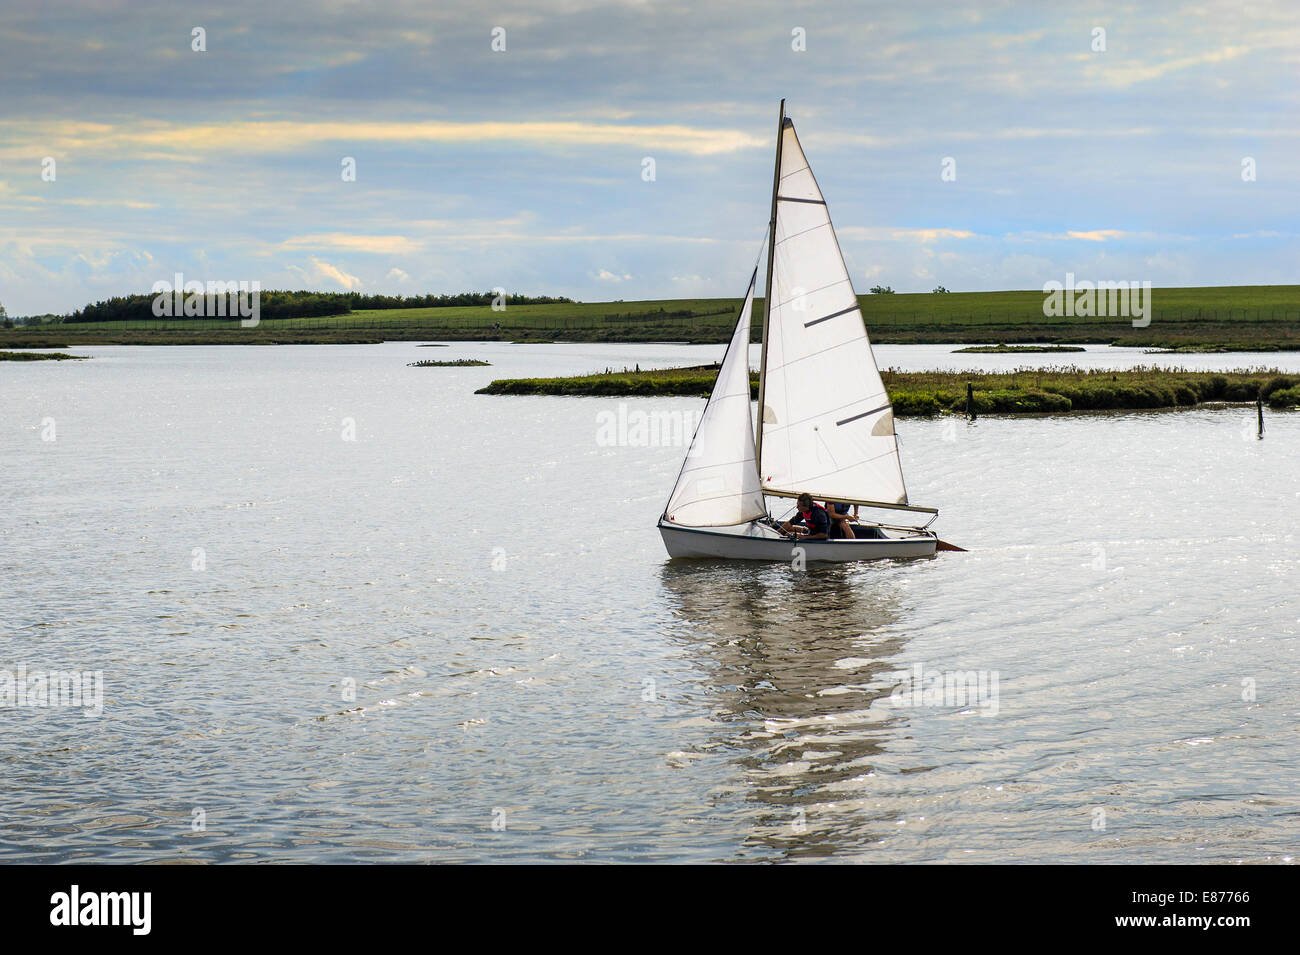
x=795, y=662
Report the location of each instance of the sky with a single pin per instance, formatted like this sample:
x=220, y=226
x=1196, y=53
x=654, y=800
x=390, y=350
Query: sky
x=977, y=146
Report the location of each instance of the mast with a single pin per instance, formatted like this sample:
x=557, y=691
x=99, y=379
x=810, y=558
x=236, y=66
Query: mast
x=767, y=293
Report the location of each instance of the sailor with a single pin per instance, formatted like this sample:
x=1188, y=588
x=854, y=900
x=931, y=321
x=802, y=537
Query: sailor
x=839, y=515
x=811, y=518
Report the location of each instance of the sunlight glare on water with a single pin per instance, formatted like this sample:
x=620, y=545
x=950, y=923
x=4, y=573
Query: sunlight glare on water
x=487, y=575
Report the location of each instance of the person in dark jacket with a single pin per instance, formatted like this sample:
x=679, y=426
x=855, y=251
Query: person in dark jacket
x=811, y=520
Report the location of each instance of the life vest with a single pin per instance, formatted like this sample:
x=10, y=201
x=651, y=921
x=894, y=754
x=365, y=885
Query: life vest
x=810, y=523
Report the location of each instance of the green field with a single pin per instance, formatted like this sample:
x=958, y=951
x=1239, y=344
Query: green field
x=935, y=392
x=1234, y=318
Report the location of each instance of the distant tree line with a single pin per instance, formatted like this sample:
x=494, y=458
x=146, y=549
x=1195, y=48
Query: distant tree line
x=273, y=304
x=288, y=304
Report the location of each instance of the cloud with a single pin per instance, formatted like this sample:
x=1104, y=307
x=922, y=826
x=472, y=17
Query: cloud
x=1097, y=235
x=321, y=270
x=189, y=140
x=1124, y=75
x=1092, y=235
x=523, y=169
x=374, y=244
x=1001, y=41
x=887, y=233
x=124, y=203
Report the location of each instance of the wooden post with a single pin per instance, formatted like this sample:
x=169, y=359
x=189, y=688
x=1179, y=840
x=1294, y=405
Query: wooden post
x=1259, y=410
x=970, y=401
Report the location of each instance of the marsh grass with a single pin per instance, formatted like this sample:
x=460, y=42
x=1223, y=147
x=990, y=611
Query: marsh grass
x=923, y=393
x=456, y=363
x=1016, y=349
x=1285, y=398
x=39, y=356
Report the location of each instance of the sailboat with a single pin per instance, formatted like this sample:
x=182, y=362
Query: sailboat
x=826, y=424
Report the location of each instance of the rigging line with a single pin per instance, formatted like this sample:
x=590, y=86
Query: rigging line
x=831, y=454
x=720, y=464
x=795, y=235
x=813, y=292
x=776, y=429
x=814, y=478
x=750, y=291
x=768, y=291
x=875, y=396
x=851, y=341
x=847, y=404
x=715, y=497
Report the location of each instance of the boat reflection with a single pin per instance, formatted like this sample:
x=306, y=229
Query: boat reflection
x=795, y=660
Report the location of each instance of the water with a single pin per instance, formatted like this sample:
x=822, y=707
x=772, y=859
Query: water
x=488, y=577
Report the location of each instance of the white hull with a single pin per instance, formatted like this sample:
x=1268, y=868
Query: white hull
x=759, y=542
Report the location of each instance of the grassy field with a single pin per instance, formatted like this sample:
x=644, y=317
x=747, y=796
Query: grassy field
x=1236, y=318
x=935, y=392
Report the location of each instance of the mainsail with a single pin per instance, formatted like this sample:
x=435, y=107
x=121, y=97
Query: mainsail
x=718, y=484
x=827, y=422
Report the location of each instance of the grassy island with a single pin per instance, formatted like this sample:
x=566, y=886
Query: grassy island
x=1054, y=390
x=39, y=356
x=1017, y=349
x=457, y=363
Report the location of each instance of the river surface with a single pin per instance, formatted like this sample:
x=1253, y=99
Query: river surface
x=346, y=610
